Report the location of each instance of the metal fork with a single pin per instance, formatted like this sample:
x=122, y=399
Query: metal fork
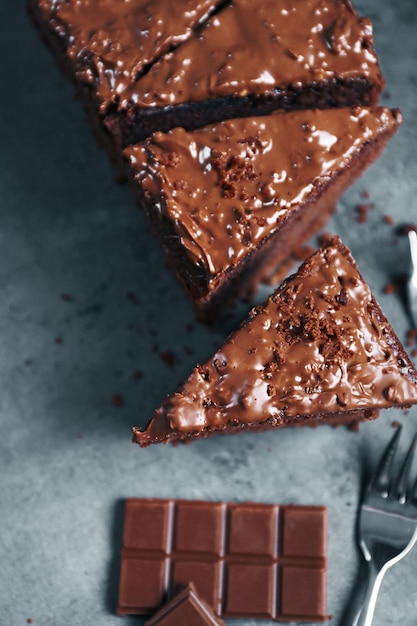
x=412, y=281
x=387, y=523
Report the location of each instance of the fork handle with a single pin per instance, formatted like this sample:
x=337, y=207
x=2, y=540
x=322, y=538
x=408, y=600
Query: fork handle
x=364, y=615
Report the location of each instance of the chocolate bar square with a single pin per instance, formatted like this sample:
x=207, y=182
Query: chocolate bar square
x=250, y=590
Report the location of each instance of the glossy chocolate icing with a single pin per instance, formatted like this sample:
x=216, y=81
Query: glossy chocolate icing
x=254, y=47
x=228, y=187
x=111, y=42
x=320, y=345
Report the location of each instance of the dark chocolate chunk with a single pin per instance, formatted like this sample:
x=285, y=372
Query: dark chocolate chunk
x=185, y=609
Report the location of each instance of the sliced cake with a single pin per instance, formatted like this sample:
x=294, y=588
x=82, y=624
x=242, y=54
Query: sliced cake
x=319, y=351
x=250, y=58
x=104, y=46
x=228, y=200
x=141, y=66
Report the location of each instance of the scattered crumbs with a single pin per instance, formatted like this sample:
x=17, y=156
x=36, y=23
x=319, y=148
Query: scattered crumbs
x=386, y=95
x=362, y=211
x=397, y=283
x=411, y=336
x=137, y=374
x=66, y=297
x=414, y=353
x=365, y=194
x=354, y=427
x=130, y=295
x=117, y=400
x=388, y=219
x=390, y=288
x=188, y=350
x=58, y=341
x=395, y=424
x=29, y=620
x=168, y=357
x=403, y=229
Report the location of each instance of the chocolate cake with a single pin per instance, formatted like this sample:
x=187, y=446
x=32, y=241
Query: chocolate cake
x=229, y=59
x=228, y=200
x=104, y=46
x=319, y=351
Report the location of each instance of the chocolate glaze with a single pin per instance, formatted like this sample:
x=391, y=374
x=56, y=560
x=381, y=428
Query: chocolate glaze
x=254, y=48
x=110, y=43
x=320, y=345
x=228, y=187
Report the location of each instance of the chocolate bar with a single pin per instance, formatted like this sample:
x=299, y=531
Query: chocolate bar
x=185, y=608
x=245, y=559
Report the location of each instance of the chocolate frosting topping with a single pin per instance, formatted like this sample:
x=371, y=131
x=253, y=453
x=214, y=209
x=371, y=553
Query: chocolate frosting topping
x=229, y=186
x=111, y=42
x=252, y=47
x=319, y=345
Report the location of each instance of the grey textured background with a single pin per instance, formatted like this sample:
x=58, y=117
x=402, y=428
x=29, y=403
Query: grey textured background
x=66, y=462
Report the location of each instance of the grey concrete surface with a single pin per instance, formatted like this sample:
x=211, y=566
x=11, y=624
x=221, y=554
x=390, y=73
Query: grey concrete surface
x=66, y=461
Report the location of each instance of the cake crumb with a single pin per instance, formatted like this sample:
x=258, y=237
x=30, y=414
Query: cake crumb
x=411, y=336
x=137, y=374
x=58, y=341
x=404, y=229
x=168, y=357
x=390, y=288
x=365, y=194
x=388, y=219
x=29, y=620
x=395, y=424
x=414, y=353
x=117, y=400
x=130, y=295
x=362, y=211
x=354, y=427
x=66, y=297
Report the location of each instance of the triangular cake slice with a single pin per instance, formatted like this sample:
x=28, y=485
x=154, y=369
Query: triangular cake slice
x=320, y=350
x=230, y=199
x=250, y=58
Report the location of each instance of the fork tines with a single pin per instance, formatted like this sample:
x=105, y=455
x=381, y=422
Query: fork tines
x=384, y=481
